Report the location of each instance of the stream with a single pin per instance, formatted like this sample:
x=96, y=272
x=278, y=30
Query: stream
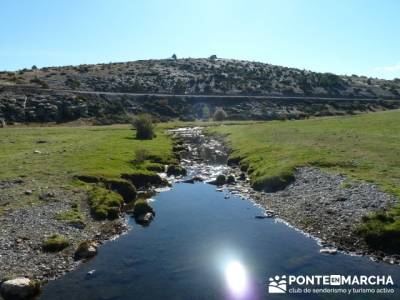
x=207, y=243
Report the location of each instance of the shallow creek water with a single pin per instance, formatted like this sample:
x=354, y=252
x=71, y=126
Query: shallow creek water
x=207, y=244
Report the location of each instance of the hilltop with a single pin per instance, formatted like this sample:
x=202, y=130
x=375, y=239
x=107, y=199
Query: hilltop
x=185, y=89
x=202, y=76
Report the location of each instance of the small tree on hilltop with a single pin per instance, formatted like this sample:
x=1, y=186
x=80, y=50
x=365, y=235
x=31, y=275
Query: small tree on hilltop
x=144, y=127
x=220, y=114
x=174, y=57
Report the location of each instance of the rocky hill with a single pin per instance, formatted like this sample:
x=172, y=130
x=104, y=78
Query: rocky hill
x=58, y=93
x=203, y=76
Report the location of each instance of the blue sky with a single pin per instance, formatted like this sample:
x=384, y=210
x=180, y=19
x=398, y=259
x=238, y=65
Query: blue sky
x=339, y=36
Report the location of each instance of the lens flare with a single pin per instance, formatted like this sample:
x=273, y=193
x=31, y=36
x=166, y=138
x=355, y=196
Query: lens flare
x=236, y=278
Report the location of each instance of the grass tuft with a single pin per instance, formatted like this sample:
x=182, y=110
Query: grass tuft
x=55, y=243
x=104, y=203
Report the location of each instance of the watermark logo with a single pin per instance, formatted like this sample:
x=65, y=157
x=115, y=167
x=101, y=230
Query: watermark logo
x=331, y=284
x=277, y=285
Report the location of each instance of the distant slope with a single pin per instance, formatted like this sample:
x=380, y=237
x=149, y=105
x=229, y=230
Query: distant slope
x=185, y=89
x=203, y=76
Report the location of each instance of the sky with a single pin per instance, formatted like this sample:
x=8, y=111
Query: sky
x=340, y=36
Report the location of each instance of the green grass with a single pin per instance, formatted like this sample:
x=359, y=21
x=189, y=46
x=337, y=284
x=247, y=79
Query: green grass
x=55, y=243
x=72, y=216
x=104, y=203
x=63, y=152
x=98, y=150
x=364, y=147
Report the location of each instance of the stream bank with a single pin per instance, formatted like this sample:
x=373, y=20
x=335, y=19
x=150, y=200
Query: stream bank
x=327, y=206
x=200, y=232
x=316, y=202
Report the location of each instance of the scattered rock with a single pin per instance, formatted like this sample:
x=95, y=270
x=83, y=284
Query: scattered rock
x=265, y=216
x=143, y=212
x=22, y=230
x=47, y=196
x=176, y=170
x=19, y=289
x=231, y=179
x=145, y=219
x=328, y=251
x=341, y=199
x=86, y=249
x=261, y=217
x=193, y=179
x=37, y=152
x=220, y=180
x=28, y=192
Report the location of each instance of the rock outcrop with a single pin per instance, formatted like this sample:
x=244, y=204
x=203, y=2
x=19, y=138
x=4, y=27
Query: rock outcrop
x=19, y=289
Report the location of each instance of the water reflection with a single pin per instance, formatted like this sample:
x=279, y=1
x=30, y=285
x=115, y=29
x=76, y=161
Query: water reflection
x=237, y=279
x=235, y=273
x=202, y=246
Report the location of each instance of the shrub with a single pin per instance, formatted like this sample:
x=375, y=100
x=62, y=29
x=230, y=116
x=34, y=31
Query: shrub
x=144, y=127
x=220, y=114
x=40, y=82
x=55, y=243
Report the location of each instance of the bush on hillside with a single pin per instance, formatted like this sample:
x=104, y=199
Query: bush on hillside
x=144, y=127
x=220, y=114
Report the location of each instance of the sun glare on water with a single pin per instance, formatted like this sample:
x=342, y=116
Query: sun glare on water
x=236, y=278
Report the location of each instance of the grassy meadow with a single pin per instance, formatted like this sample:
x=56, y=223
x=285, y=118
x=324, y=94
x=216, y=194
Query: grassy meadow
x=52, y=157
x=59, y=152
x=364, y=147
